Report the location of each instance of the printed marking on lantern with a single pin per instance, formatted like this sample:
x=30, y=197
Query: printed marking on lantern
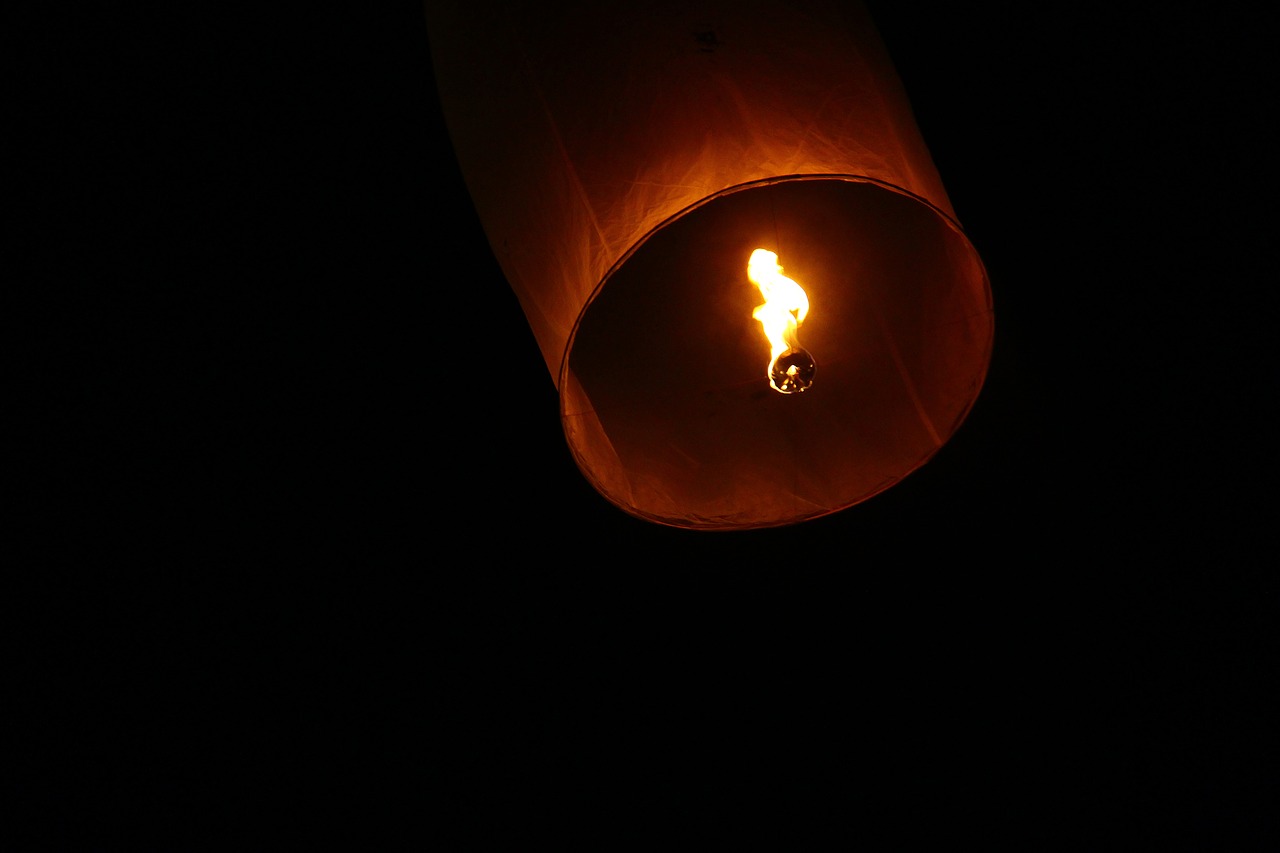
x=791, y=367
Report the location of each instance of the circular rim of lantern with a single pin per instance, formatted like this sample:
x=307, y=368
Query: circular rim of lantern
x=938, y=411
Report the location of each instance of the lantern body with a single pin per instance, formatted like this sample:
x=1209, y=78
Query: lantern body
x=626, y=160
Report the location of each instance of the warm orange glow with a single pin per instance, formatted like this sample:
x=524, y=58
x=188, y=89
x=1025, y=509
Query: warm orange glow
x=785, y=306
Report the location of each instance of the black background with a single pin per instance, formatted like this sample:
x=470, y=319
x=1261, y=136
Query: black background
x=321, y=566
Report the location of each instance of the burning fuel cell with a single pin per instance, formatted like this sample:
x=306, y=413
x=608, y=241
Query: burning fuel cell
x=791, y=367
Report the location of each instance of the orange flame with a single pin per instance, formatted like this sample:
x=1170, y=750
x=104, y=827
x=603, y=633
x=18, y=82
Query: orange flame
x=791, y=368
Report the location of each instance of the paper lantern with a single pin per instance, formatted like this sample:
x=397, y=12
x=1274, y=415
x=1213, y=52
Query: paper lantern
x=626, y=161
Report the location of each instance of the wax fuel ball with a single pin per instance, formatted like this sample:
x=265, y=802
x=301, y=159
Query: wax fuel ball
x=792, y=372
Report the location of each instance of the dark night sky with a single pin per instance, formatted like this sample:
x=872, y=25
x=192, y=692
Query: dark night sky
x=306, y=570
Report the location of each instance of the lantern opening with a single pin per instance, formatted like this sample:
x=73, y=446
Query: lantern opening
x=900, y=318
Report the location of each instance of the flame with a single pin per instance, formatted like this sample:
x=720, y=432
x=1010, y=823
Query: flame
x=791, y=368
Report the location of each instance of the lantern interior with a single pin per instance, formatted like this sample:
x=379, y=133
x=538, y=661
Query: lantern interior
x=665, y=396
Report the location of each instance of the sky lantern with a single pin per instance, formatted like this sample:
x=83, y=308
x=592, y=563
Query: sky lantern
x=731, y=244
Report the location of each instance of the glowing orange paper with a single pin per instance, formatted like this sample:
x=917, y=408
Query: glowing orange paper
x=625, y=159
